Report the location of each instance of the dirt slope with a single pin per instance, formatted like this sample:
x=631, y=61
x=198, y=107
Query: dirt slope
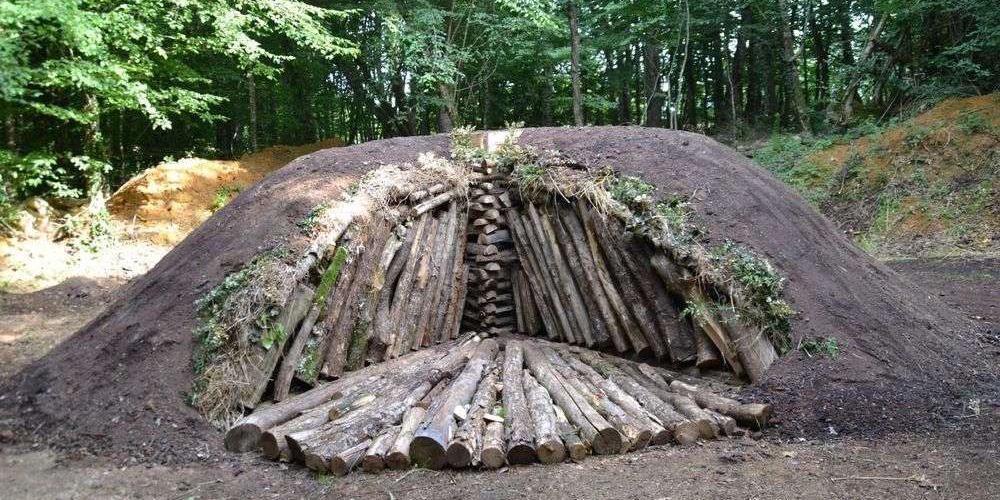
x=928, y=186
x=119, y=383
x=163, y=204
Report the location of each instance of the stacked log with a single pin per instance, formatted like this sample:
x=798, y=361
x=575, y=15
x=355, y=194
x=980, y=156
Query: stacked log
x=490, y=302
x=467, y=403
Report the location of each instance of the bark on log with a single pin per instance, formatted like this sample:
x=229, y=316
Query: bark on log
x=245, y=434
x=434, y=202
x=288, y=320
x=430, y=441
x=444, y=246
x=385, y=331
x=541, y=268
x=420, y=293
x=375, y=350
x=374, y=460
x=598, y=327
x=402, y=295
x=635, y=338
x=630, y=288
x=594, y=429
x=566, y=281
x=494, y=452
x=466, y=445
x=451, y=272
x=755, y=415
x=560, y=292
x=350, y=334
x=398, y=457
x=342, y=463
x=576, y=447
x=624, y=400
x=636, y=436
x=518, y=425
x=683, y=430
x=535, y=279
x=548, y=445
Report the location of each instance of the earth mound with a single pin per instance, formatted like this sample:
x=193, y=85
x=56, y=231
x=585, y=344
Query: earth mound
x=164, y=203
x=896, y=359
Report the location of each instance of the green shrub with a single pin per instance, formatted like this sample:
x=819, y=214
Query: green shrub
x=821, y=347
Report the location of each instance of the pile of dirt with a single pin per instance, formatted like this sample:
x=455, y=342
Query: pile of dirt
x=164, y=203
x=906, y=362
x=929, y=186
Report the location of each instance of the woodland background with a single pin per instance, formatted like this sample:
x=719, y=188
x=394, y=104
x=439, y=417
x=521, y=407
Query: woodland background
x=95, y=91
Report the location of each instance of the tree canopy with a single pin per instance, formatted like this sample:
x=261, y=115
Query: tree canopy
x=92, y=91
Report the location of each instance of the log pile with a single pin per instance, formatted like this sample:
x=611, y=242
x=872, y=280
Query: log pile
x=490, y=252
x=486, y=402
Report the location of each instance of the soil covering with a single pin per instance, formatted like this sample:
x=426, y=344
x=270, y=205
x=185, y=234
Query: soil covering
x=905, y=360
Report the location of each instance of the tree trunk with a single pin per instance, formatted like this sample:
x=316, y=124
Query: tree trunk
x=857, y=73
x=651, y=78
x=519, y=428
x=792, y=71
x=252, y=98
x=574, y=44
x=548, y=445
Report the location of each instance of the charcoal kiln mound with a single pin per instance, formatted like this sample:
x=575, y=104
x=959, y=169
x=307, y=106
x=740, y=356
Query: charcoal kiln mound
x=503, y=298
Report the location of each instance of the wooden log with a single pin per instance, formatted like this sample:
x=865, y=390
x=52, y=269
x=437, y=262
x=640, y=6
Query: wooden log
x=453, y=274
x=636, y=436
x=548, y=445
x=344, y=462
x=639, y=416
x=635, y=251
x=578, y=238
x=374, y=460
x=466, y=445
x=494, y=453
x=444, y=248
x=332, y=315
x=420, y=293
x=707, y=357
x=634, y=336
x=245, y=434
x=602, y=437
x=565, y=279
x=318, y=446
x=542, y=272
x=374, y=350
x=559, y=294
x=674, y=277
x=598, y=329
x=536, y=281
x=398, y=456
x=404, y=287
x=630, y=289
x=683, y=430
x=755, y=415
x=756, y=352
x=517, y=419
x=385, y=331
x=432, y=203
x=431, y=439
x=351, y=333
x=708, y=427
x=518, y=305
x=456, y=316
x=272, y=441
x=287, y=321
x=576, y=447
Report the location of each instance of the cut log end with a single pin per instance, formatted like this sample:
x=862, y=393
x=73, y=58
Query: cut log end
x=608, y=442
x=551, y=452
x=427, y=452
x=243, y=437
x=521, y=454
x=459, y=455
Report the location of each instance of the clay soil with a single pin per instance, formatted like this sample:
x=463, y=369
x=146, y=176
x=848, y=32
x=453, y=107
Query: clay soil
x=907, y=408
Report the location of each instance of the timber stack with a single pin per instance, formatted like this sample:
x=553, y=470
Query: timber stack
x=489, y=401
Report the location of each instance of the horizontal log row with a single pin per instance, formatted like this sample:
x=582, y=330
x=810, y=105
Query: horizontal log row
x=487, y=402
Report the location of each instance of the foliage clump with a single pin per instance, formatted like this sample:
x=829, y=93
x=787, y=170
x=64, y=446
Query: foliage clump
x=760, y=287
x=820, y=346
x=236, y=326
